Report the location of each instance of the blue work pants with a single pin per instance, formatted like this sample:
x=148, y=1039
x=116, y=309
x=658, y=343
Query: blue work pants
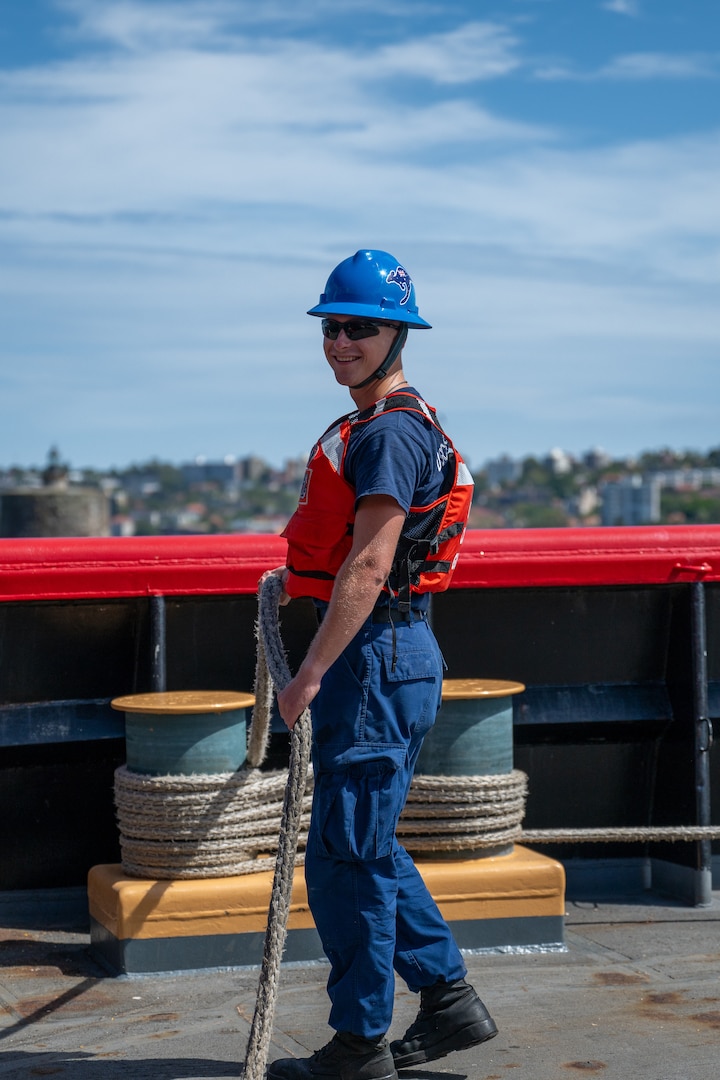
x=371, y=907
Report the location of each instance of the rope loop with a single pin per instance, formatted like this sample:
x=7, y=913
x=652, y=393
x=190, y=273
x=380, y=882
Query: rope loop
x=258, y=1046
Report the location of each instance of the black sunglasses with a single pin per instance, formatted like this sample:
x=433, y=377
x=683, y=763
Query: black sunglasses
x=355, y=329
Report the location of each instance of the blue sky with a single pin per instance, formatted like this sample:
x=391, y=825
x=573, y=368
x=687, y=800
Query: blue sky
x=178, y=178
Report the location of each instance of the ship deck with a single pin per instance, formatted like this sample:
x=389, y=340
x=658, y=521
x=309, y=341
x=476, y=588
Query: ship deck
x=635, y=993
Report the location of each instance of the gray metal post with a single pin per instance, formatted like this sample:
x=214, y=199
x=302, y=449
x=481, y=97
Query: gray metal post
x=703, y=742
x=158, y=643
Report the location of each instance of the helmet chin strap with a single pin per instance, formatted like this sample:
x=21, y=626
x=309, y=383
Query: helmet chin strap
x=389, y=360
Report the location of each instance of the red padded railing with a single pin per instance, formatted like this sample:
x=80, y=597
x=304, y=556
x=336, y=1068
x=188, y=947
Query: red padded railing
x=48, y=569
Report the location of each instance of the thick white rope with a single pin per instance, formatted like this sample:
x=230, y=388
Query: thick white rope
x=261, y=1029
x=463, y=813
x=201, y=826
x=220, y=825
x=622, y=834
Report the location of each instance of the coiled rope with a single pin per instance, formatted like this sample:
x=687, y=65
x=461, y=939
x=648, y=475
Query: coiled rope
x=463, y=813
x=220, y=825
x=201, y=826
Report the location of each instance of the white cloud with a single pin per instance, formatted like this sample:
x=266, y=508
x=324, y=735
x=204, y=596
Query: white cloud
x=136, y=26
x=623, y=7
x=637, y=67
x=662, y=66
x=159, y=150
x=171, y=206
x=472, y=52
x=156, y=131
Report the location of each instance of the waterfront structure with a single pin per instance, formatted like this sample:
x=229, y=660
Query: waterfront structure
x=55, y=507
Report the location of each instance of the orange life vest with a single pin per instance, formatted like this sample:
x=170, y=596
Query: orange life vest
x=319, y=533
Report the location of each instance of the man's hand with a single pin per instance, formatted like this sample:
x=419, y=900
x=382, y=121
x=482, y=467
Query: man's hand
x=295, y=698
x=282, y=573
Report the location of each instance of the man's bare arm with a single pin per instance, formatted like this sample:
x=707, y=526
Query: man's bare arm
x=378, y=524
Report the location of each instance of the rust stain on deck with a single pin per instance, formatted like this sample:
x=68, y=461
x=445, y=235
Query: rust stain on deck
x=618, y=978
x=669, y=997
x=79, y=1002
x=712, y=1019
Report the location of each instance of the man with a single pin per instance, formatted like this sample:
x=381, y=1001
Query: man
x=378, y=526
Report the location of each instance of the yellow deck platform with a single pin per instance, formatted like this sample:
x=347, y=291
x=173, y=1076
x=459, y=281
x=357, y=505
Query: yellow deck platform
x=137, y=925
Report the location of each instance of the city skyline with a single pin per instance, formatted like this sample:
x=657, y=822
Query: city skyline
x=180, y=177
x=593, y=457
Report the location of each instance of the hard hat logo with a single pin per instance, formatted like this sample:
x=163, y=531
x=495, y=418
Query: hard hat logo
x=399, y=276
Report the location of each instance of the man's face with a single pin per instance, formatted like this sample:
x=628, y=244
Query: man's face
x=353, y=361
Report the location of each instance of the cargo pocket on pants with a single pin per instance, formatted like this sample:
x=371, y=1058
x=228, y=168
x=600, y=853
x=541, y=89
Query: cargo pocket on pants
x=356, y=811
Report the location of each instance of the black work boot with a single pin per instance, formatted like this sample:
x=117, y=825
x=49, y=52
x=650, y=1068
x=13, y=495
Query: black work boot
x=346, y=1057
x=452, y=1017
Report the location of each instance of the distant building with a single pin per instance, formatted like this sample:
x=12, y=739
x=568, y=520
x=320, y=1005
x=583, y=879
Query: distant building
x=503, y=470
x=687, y=479
x=631, y=500
x=559, y=462
x=597, y=458
x=227, y=473
x=142, y=484
x=293, y=471
x=585, y=502
x=122, y=525
x=253, y=470
x=260, y=523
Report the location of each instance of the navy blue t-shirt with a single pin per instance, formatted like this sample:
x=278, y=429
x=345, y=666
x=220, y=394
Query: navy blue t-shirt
x=401, y=454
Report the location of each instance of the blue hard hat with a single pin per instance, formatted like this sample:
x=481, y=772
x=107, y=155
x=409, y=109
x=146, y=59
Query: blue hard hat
x=372, y=284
